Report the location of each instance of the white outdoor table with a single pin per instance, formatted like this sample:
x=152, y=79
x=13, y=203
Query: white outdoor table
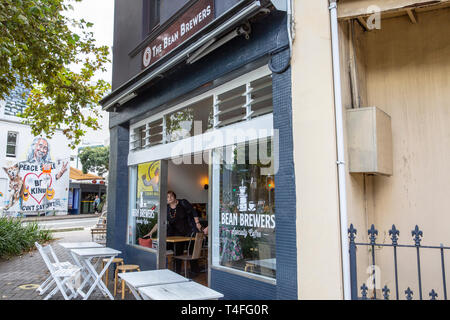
x=85, y=256
x=135, y=280
x=80, y=245
x=179, y=291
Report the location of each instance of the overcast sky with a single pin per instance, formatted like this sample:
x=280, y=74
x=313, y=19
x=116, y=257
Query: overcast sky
x=101, y=14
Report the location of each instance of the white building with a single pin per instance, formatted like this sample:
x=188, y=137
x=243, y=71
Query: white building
x=36, y=192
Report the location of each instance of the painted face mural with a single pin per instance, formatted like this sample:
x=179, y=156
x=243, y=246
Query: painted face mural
x=37, y=184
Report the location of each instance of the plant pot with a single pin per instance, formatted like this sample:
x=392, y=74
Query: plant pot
x=145, y=242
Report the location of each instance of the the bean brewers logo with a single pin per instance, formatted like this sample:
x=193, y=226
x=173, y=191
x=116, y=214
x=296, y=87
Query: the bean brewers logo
x=193, y=20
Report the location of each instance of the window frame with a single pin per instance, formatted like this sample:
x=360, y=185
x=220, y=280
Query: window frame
x=159, y=152
x=9, y=144
x=151, y=16
x=243, y=80
x=214, y=238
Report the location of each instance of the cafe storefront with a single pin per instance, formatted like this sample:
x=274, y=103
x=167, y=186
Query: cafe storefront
x=206, y=116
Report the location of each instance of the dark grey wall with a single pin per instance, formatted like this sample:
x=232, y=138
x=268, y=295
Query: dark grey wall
x=237, y=56
x=118, y=188
x=169, y=8
x=127, y=35
x=266, y=36
x=221, y=6
x=285, y=200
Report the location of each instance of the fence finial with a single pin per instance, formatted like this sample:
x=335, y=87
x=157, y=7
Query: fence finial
x=364, y=291
x=352, y=233
x=409, y=294
x=372, y=233
x=417, y=233
x=394, y=233
x=386, y=292
x=433, y=295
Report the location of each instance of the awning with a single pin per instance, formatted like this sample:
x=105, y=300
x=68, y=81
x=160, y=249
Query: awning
x=76, y=174
x=223, y=24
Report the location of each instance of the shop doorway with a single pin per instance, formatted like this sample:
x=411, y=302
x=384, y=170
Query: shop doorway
x=190, y=183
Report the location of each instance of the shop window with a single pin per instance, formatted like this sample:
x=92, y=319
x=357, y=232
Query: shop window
x=243, y=205
x=144, y=203
x=244, y=102
x=261, y=96
x=229, y=105
x=148, y=135
x=11, y=144
x=192, y=120
x=151, y=18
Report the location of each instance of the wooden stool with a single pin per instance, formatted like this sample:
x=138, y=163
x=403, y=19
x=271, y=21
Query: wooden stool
x=124, y=268
x=169, y=256
x=105, y=261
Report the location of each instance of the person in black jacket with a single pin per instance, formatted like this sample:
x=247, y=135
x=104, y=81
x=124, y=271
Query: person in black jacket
x=182, y=220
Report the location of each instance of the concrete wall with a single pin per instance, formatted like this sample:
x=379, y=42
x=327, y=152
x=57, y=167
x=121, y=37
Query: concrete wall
x=408, y=76
x=318, y=230
x=403, y=69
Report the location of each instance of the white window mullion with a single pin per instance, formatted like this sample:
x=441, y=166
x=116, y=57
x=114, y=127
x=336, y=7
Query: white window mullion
x=147, y=136
x=248, y=103
x=216, y=111
x=164, y=129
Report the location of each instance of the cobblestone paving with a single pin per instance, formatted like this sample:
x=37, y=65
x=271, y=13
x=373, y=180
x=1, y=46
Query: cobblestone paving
x=19, y=274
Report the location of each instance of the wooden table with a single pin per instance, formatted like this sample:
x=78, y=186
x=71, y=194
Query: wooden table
x=175, y=239
x=179, y=291
x=135, y=280
x=264, y=263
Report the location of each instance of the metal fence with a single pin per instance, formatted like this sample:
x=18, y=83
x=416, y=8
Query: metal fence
x=394, y=233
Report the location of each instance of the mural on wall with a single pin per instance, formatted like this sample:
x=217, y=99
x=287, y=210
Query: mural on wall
x=37, y=184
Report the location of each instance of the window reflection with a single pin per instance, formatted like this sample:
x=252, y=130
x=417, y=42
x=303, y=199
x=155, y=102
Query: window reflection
x=246, y=211
x=190, y=121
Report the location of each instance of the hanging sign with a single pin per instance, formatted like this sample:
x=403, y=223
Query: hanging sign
x=192, y=21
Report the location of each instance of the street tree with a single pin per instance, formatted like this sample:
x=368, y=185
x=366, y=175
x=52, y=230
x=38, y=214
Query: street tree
x=95, y=159
x=38, y=45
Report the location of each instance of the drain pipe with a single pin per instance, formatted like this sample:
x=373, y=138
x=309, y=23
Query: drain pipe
x=340, y=150
x=291, y=35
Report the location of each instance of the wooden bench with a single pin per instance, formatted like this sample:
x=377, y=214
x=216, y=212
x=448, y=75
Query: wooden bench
x=98, y=231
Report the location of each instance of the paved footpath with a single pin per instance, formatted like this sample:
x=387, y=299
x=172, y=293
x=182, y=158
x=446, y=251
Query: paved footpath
x=20, y=276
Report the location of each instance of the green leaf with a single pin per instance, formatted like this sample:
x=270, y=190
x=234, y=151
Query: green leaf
x=36, y=41
x=22, y=19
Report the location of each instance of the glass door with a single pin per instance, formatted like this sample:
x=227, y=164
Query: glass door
x=147, y=214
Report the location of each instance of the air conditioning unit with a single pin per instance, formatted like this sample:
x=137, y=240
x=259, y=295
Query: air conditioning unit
x=369, y=141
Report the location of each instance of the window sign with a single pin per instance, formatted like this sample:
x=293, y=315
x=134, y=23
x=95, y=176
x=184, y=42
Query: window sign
x=144, y=206
x=244, y=208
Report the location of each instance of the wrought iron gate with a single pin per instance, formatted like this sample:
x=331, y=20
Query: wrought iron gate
x=394, y=233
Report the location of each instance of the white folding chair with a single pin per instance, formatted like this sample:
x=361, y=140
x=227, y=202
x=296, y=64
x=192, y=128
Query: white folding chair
x=58, y=265
x=60, y=274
